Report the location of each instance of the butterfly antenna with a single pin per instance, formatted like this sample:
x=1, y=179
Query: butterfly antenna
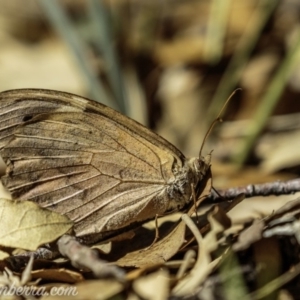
x=218, y=119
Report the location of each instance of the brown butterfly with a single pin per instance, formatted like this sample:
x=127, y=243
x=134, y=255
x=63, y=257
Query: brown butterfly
x=82, y=159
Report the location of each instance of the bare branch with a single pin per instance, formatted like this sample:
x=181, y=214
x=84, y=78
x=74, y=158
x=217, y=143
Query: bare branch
x=252, y=190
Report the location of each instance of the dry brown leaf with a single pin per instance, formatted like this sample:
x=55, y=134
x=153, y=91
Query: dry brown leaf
x=285, y=221
x=257, y=208
x=219, y=213
x=286, y=211
x=57, y=275
x=249, y=236
x=26, y=225
x=282, y=222
x=158, y=253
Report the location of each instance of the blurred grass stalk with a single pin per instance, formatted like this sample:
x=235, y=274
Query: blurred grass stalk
x=104, y=41
x=241, y=56
x=270, y=99
x=63, y=25
x=214, y=42
x=276, y=284
x=123, y=80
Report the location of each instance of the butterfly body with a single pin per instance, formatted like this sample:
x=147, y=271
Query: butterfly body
x=82, y=159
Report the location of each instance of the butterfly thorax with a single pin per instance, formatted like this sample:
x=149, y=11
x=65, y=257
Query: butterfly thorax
x=187, y=178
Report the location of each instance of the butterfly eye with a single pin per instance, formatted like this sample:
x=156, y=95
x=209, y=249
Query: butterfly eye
x=202, y=164
x=198, y=163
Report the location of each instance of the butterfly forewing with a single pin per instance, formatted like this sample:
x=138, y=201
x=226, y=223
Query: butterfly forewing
x=83, y=159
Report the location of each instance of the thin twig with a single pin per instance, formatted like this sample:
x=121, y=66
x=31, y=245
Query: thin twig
x=84, y=257
x=252, y=190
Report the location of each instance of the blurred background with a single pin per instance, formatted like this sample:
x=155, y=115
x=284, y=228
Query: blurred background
x=171, y=65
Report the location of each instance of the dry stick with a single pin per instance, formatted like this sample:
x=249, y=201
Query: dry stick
x=84, y=257
x=252, y=190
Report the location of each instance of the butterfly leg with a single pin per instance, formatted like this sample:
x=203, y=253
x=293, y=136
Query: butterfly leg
x=156, y=233
x=195, y=202
x=156, y=230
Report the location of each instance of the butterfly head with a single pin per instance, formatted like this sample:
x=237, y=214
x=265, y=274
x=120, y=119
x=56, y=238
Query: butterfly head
x=200, y=165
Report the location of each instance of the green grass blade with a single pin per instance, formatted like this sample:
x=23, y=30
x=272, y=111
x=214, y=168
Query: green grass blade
x=104, y=39
x=269, y=100
x=241, y=56
x=60, y=21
